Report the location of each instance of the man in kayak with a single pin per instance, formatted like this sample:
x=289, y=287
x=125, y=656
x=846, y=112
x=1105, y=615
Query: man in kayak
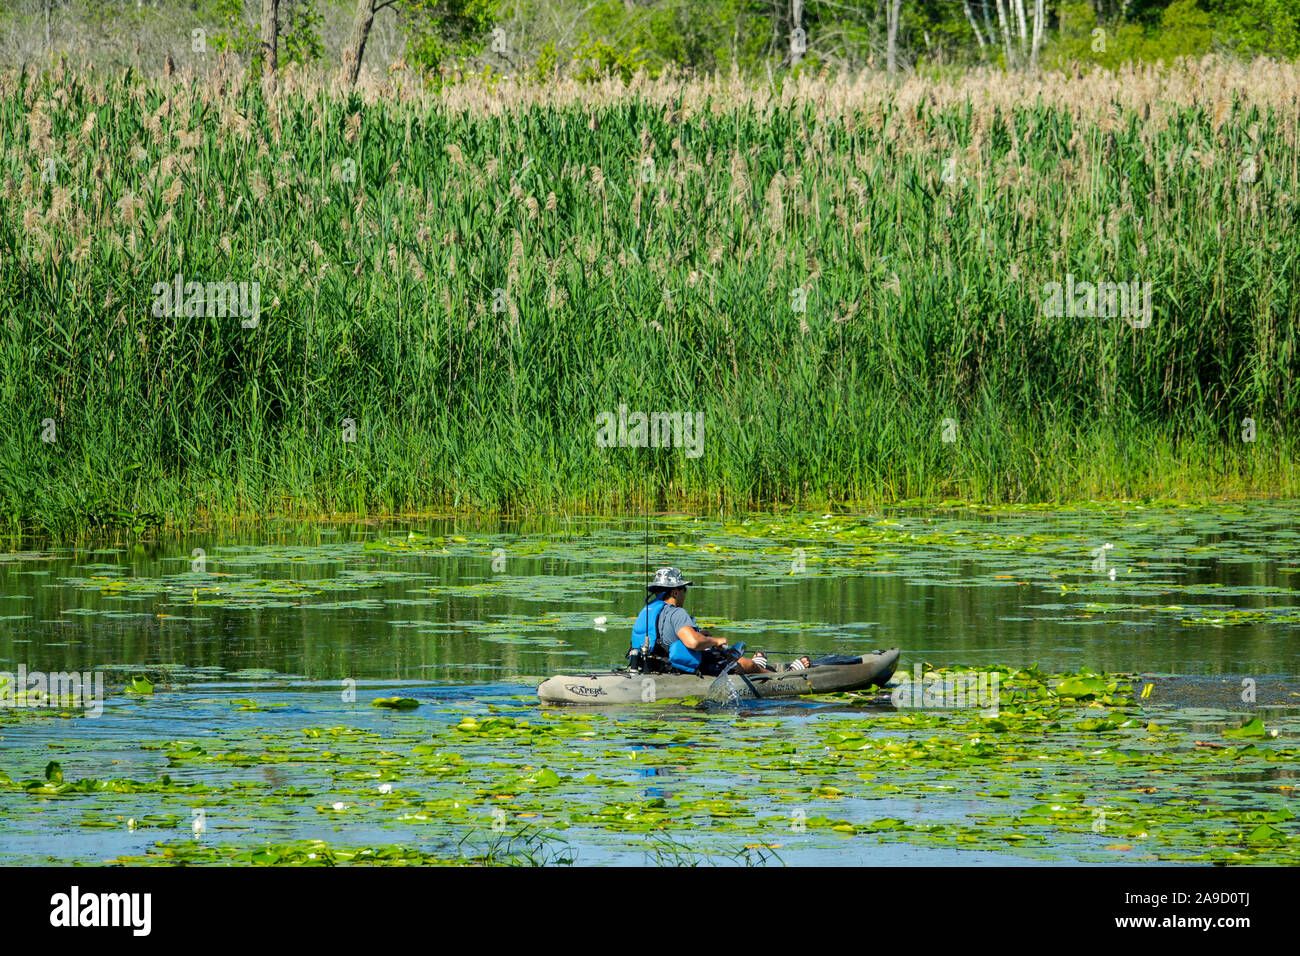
x=686, y=647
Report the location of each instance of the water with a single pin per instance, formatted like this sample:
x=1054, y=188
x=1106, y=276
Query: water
x=466, y=617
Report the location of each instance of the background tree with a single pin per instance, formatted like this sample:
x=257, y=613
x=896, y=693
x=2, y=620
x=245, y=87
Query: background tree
x=436, y=30
x=268, y=48
x=593, y=38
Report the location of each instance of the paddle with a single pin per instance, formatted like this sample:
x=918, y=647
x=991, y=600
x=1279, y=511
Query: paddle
x=722, y=678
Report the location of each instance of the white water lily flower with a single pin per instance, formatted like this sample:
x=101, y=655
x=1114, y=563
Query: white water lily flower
x=130, y=824
x=385, y=788
x=601, y=620
x=340, y=806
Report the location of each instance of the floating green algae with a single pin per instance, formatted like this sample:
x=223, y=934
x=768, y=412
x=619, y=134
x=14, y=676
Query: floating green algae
x=1072, y=766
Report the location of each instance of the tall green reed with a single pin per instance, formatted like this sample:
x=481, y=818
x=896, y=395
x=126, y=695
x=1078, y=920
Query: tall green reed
x=836, y=291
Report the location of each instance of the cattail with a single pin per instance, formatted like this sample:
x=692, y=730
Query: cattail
x=129, y=208
x=173, y=192
x=516, y=257
x=60, y=203
x=413, y=264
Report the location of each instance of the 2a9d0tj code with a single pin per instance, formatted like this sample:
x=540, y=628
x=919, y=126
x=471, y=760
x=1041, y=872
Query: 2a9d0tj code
x=1242, y=898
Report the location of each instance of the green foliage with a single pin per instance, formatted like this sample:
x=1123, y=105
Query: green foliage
x=1084, y=39
x=299, y=30
x=548, y=62
x=622, y=37
x=1185, y=30
x=441, y=32
x=236, y=33
x=1255, y=27
x=595, y=59
x=379, y=305
x=1163, y=31
x=704, y=36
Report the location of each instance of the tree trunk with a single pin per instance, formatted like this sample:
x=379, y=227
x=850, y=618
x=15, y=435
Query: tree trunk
x=970, y=15
x=1006, y=34
x=1040, y=29
x=270, y=31
x=891, y=54
x=796, y=22
x=988, y=24
x=356, y=46
x=1024, y=34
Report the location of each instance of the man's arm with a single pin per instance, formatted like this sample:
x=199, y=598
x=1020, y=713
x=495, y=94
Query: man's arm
x=697, y=640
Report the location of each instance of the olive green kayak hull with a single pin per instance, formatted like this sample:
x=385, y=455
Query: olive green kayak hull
x=627, y=688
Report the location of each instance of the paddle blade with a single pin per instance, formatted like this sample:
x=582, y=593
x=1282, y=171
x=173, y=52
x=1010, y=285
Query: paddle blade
x=728, y=690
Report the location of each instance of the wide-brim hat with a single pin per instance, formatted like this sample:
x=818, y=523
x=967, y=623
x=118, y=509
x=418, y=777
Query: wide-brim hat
x=666, y=579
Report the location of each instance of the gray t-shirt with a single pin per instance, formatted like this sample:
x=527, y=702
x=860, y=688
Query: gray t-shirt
x=671, y=620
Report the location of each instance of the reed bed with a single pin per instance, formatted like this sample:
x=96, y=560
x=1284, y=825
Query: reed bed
x=845, y=277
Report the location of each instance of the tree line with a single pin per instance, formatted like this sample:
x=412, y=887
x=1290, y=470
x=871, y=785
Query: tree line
x=593, y=38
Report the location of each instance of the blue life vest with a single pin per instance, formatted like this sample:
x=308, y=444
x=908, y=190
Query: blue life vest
x=645, y=629
x=645, y=635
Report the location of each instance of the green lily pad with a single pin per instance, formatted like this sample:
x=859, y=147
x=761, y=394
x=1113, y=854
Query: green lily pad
x=395, y=703
x=545, y=778
x=1265, y=835
x=1252, y=728
x=1081, y=688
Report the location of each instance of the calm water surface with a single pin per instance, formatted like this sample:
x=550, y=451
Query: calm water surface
x=467, y=616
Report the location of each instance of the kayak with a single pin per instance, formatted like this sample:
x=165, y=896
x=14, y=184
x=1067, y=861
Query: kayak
x=825, y=675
